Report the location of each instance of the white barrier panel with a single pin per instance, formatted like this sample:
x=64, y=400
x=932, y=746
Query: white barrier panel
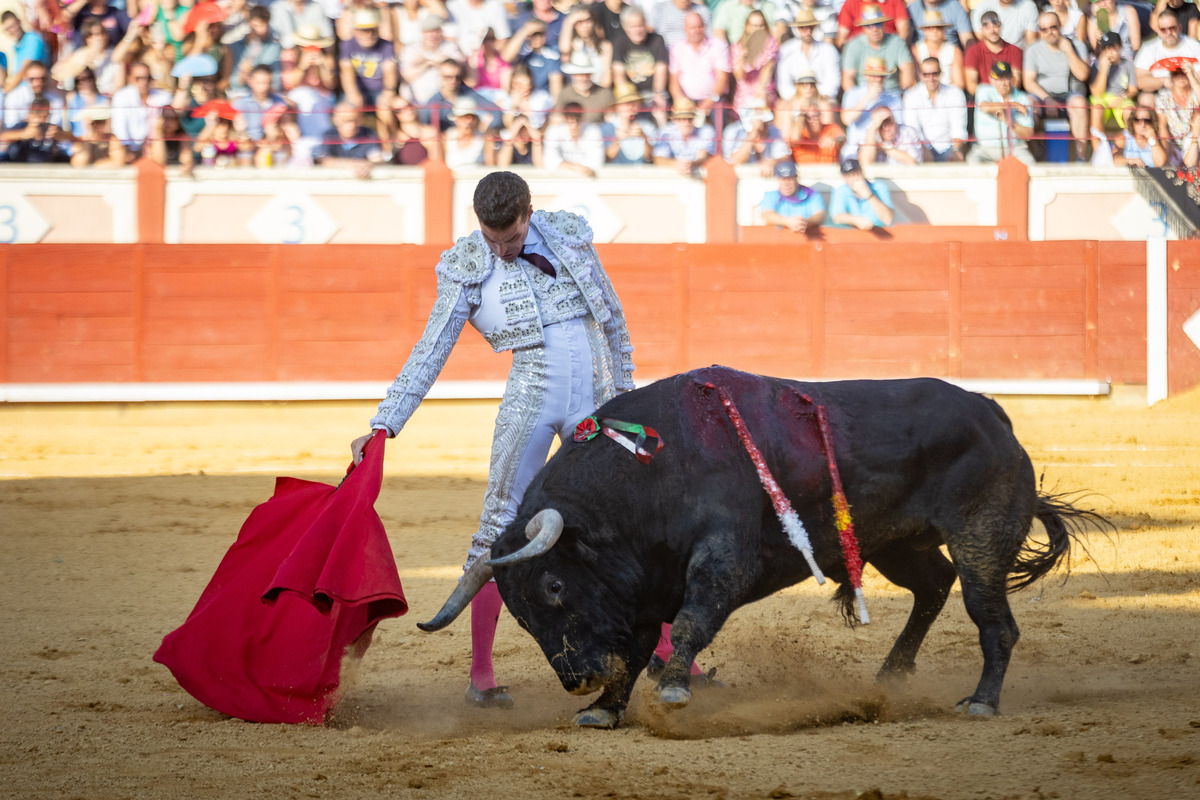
x=61, y=205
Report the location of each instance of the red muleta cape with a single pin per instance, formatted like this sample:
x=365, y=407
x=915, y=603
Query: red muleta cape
x=302, y=588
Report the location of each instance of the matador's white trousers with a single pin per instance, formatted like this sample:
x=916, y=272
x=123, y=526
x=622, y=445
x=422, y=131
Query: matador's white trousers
x=549, y=391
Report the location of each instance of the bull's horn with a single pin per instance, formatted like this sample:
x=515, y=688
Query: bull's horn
x=542, y=531
x=472, y=581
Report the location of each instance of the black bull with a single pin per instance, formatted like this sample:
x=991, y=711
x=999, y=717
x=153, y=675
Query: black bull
x=619, y=546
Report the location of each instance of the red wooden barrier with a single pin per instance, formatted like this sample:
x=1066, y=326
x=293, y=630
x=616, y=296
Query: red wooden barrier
x=81, y=313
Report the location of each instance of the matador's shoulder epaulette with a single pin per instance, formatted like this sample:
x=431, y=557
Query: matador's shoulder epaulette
x=468, y=262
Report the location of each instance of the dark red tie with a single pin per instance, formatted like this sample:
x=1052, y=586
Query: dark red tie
x=539, y=261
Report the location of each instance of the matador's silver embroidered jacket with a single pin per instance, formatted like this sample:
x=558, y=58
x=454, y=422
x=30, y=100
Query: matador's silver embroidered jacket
x=500, y=301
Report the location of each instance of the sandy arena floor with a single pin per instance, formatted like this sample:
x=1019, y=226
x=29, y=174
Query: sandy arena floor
x=113, y=519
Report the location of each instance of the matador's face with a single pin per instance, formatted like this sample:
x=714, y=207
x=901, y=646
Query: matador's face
x=506, y=243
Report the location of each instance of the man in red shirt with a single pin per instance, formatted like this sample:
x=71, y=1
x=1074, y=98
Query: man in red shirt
x=984, y=53
x=898, y=21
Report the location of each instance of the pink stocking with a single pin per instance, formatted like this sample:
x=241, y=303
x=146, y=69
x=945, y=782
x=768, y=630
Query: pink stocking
x=664, y=649
x=485, y=613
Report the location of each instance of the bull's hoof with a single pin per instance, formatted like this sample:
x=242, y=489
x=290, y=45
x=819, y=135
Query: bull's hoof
x=976, y=709
x=598, y=718
x=674, y=696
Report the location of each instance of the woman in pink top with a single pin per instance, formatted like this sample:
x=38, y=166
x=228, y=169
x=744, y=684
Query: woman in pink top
x=754, y=57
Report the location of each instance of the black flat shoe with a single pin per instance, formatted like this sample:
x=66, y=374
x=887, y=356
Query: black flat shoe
x=497, y=697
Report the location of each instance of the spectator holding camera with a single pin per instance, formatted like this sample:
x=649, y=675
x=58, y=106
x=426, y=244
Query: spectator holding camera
x=37, y=139
x=753, y=139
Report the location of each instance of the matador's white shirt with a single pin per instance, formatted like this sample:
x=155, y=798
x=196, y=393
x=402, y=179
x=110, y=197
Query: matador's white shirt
x=510, y=303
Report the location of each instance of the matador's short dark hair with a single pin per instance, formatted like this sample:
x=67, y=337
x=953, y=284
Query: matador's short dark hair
x=501, y=199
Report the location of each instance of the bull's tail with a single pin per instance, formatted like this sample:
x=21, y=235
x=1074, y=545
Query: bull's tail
x=1064, y=523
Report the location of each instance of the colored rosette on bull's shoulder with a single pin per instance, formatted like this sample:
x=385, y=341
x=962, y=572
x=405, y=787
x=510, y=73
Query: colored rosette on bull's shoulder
x=587, y=429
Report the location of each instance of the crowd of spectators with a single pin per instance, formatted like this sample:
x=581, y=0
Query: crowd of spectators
x=579, y=85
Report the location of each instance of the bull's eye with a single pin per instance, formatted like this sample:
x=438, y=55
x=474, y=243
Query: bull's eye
x=552, y=587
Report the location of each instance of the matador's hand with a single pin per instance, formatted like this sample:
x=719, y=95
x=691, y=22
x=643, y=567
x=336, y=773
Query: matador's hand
x=356, y=447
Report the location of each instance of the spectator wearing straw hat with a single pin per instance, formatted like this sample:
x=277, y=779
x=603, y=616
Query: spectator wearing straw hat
x=989, y=49
x=952, y=18
x=583, y=91
x=288, y=16
x=683, y=144
x=97, y=147
x=1003, y=120
x=877, y=44
x=859, y=203
x=369, y=75
x=860, y=101
x=892, y=14
x=934, y=44
x=809, y=127
x=797, y=208
x=804, y=53
x=630, y=139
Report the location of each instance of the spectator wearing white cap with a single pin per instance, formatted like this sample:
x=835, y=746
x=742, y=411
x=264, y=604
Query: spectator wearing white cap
x=583, y=91
x=805, y=54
